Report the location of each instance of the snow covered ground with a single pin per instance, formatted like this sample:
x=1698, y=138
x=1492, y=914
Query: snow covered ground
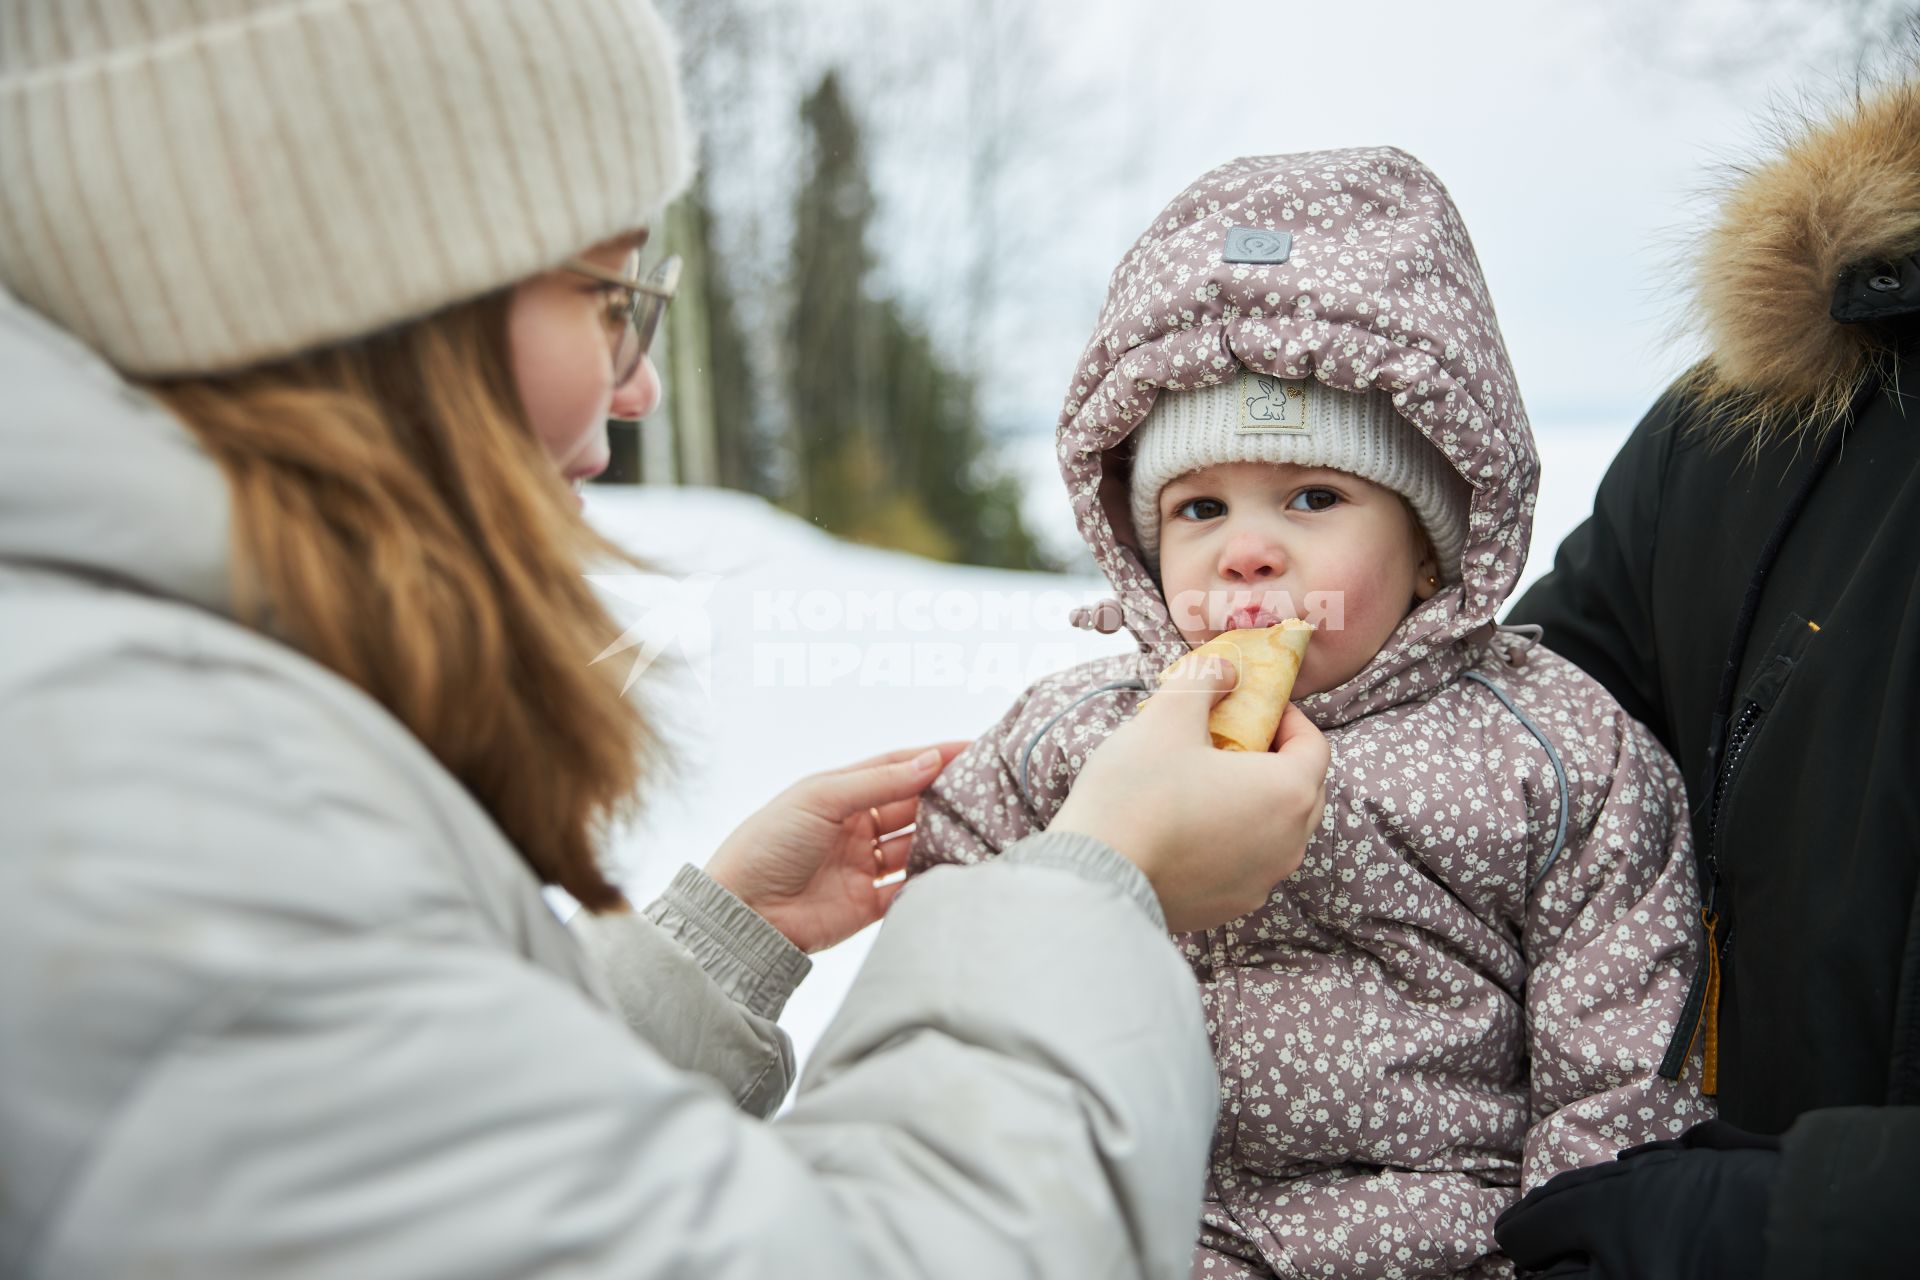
x=773, y=650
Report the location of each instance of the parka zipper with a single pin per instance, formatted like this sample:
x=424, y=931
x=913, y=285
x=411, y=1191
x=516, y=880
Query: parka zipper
x=1701, y=1012
x=1703, y=995
x=1727, y=753
x=1737, y=743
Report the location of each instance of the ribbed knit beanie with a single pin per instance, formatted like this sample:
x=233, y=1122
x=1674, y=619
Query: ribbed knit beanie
x=1254, y=417
x=193, y=186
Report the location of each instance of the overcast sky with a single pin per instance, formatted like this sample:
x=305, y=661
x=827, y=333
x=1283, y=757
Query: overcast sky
x=1581, y=142
x=1577, y=141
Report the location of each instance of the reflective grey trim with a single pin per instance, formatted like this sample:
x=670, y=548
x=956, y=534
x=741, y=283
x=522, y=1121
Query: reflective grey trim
x=1559, y=776
x=1026, y=756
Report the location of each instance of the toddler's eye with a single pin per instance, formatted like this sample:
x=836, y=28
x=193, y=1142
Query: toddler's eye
x=1313, y=500
x=1201, y=509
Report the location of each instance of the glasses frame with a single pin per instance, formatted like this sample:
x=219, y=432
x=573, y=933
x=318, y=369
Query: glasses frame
x=660, y=285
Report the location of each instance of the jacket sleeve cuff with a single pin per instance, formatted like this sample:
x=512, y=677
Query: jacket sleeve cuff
x=1090, y=859
x=749, y=959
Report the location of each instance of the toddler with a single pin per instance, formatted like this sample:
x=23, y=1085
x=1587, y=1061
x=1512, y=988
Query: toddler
x=1298, y=404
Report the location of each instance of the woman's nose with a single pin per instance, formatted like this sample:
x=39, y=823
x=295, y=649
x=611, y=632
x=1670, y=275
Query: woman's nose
x=1250, y=557
x=639, y=395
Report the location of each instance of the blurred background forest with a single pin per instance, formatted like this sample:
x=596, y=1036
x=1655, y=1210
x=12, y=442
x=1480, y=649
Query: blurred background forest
x=906, y=214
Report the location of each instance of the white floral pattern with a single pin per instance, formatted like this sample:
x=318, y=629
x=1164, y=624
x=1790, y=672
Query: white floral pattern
x=1406, y=1034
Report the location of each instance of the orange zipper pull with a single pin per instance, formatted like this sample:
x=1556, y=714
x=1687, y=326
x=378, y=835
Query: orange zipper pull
x=1710, y=1008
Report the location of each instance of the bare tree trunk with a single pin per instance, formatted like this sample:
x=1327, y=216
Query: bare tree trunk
x=688, y=356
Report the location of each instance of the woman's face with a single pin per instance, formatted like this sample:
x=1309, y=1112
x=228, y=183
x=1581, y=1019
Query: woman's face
x=558, y=327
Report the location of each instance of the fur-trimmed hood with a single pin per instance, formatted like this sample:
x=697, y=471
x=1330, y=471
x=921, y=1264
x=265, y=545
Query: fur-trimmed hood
x=1843, y=192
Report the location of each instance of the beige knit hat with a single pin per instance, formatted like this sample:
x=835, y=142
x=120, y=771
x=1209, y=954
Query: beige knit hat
x=197, y=185
x=1255, y=417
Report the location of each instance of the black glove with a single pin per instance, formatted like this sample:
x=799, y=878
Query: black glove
x=1691, y=1208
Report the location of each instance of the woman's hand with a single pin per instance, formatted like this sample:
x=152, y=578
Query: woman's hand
x=807, y=862
x=1213, y=830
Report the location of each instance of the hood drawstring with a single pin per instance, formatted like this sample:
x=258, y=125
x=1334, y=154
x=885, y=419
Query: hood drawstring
x=1527, y=633
x=1106, y=617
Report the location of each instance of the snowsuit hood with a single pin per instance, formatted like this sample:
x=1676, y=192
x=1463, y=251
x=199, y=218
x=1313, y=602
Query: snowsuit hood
x=1379, y=290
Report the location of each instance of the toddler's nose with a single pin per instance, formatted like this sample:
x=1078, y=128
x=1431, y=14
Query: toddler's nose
x=1248, y=557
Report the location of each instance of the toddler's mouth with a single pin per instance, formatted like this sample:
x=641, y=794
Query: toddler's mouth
x=1249, y=616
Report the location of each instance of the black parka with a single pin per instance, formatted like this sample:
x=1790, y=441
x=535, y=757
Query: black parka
x=1749, y=586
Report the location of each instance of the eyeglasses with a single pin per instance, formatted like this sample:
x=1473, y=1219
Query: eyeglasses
x=634, y=311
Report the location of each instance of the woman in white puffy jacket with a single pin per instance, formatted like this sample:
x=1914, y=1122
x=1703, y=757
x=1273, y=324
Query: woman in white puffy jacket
x=312, y=310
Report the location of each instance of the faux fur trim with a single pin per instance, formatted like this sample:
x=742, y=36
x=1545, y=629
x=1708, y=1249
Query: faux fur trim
x=1841, y=190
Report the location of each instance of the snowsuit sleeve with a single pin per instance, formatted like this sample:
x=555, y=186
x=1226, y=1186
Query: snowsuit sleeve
x=1013, y=779
x=976, y=807
x=1612, y=942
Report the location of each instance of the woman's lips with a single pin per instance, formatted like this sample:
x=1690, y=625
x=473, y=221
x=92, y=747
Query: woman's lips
x=579, y=476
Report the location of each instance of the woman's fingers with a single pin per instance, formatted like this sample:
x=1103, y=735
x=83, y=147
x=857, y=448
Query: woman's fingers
x=839, y=796
x=1186, y=696
x=889, y=818
x=1213, y=830
x=947, y=750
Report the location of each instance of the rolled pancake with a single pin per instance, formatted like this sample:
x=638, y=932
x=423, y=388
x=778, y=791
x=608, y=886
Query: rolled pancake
x=1268, y=661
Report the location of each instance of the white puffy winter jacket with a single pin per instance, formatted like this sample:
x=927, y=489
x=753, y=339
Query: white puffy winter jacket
x=277, y=999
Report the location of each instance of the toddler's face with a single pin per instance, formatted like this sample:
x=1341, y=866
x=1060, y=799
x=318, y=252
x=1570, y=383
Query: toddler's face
x=1245, y=544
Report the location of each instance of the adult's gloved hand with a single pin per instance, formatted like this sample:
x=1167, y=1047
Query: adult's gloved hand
x=1690, y=1208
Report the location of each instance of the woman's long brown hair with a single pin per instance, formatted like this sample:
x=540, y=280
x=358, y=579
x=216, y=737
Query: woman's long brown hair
x=395, y=519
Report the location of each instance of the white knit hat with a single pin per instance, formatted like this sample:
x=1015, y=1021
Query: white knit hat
x=1255, y=417
x=197, y=185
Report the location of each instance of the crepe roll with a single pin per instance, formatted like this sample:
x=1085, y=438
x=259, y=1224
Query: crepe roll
x=1268, y=661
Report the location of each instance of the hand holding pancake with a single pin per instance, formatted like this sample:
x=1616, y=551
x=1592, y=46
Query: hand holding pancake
x=1214, y=830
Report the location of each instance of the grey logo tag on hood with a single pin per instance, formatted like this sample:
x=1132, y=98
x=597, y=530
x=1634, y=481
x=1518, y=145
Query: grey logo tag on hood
x=1254, y=246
